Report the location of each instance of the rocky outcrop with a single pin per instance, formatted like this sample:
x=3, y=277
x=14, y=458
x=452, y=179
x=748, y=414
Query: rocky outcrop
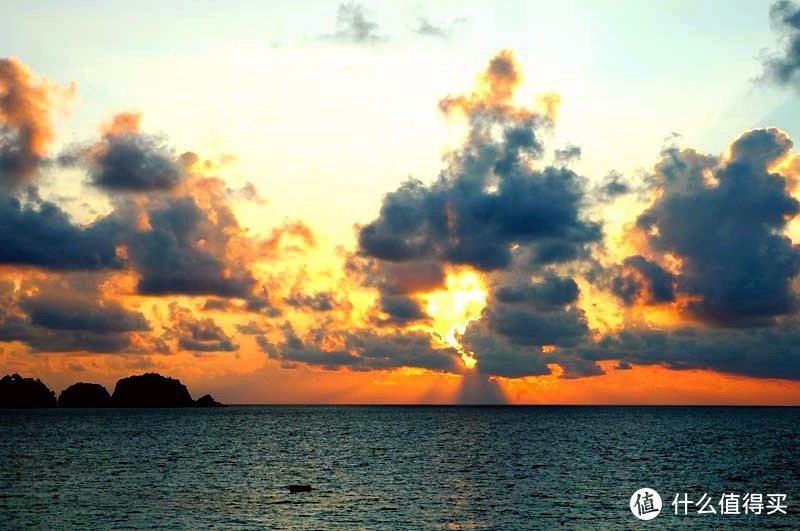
x=84, y=395
x=19, y=392
x=206, y=401
x=151, y=390
x=145, y=390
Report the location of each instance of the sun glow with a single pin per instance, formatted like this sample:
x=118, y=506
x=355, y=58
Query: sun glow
x=454, y=307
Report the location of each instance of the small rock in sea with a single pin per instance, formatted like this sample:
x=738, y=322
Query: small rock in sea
x=299, y=488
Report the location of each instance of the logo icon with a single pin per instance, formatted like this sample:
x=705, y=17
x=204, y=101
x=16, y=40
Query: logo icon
x=645, y=504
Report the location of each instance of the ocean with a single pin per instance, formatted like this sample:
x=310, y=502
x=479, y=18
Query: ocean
x=387, y=467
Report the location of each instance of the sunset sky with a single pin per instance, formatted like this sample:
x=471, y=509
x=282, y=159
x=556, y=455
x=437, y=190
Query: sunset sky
x=524, y=202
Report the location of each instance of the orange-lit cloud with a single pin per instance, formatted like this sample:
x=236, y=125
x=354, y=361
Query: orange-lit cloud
x=27, y=103
x=505, y=277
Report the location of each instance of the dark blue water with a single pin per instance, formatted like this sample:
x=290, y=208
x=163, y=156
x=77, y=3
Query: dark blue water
x=390, y=467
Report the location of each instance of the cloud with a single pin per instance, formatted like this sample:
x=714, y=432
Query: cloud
x=762, y=352
x=38, y=233
x=361, y=349
x=26, y=125
x=612, y=185
x=724, y=220
x=320, y=301
x=125, y=159
x=401, y=310
x=643, y=281
x=183, y=253
x=499, y=356
x=68, y=316
x=248, y=192
x=567, y=155
x=426, y=28
x=552, y=292
x=198, y=334
x=252, y=328
x=782, y=67
x=497, y=209
x=353, y=26
x=489, y=198
x=82, y=313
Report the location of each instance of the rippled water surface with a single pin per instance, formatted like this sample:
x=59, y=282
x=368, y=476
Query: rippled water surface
x=390, y=467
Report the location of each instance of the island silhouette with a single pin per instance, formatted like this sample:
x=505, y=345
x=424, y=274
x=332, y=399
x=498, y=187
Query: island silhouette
x=149, y=390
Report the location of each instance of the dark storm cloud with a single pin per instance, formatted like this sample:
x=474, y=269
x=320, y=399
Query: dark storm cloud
x=198, y=334
x=401, y=309
x=171, y=260
x=736, y=263
x=644, y=280
x=41, y=234
x=499, y=357
x=522, y=325
x=762, y=352
x=134, y=162
x=68, y=319
x=354, y=26
x=783, y=66
x=81, y=313
x=43, y=340
x=489, y=197
x=361, y=349
x=553, y=291
x=528, y=326
x=487, y=201
x=396, y=284
x=532, y=353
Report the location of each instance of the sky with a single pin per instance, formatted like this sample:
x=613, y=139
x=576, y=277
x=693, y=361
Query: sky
x=530, y=202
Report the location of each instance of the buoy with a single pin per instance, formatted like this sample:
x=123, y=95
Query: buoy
x=299, y=488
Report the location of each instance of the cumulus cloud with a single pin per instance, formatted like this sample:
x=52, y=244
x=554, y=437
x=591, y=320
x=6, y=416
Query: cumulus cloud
x=127, y=159
x=183, y=252
x=26, y=129
x=498, y=209
x=489, y=198
x=724, y=219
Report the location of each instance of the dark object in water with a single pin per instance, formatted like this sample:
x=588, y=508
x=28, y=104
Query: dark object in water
x=299, y=488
